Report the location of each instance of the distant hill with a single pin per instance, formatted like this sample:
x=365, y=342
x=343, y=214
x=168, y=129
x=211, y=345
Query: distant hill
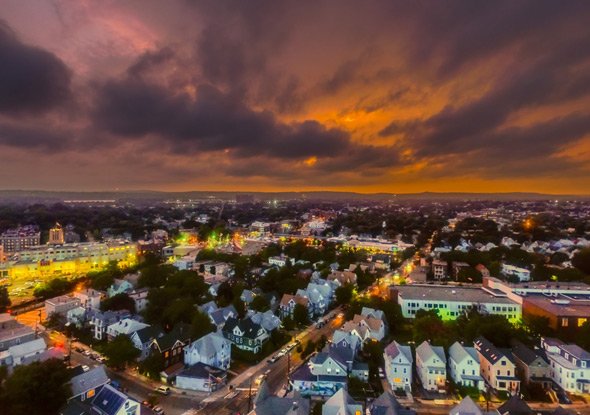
x=147, y=196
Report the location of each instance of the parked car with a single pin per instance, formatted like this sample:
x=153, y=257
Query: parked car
x=274, y=358
x=259, y=379
x=164, y=390
x=158, y=410
x=85, y=368
x=382, y=373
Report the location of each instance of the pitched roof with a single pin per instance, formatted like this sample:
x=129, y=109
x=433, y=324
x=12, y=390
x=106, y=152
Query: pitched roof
x=515, y=406
x=148, y=333
x=92, y=379
x=426, y=351
x=109, y=400
x=394, y=349
x=209, y=345
x=459, y=352
x=298, y=299
x=387, y=404
x=267, y=404
x=525, y=354
x=466, y=407
x=341, y=404
x=180, y=332
x=576, y=351
x=490, y=352
x=246, y=326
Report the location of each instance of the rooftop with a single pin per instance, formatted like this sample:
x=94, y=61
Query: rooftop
x=449, y=293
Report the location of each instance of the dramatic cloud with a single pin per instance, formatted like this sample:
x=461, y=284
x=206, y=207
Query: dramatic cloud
x=391, y=96
x=31, y=79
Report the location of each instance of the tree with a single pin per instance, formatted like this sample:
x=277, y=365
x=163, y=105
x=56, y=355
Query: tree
x=39, y=388
x=260, y=303
x=300, y=316
x=469, y=274
x=120, y=352
x=201, y=325
x=152, y=365
x=4, y=300
x=120, y=301
x=344, y=294
x=582, y=261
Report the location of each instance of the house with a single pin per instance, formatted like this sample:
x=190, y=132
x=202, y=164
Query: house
x=466, y=407
x=464, y=366
x=140, y=298
x=245, y=334
x=219, y=316
x=346, y=339
x=569, y=366
x=267, y=319
x=99, y=321
x=201, y=377
x=171, y=345
x=142, y=339
x=365, y=328
x=61, y=305
x=76, y=316
x=320, y=296
x=127, y=326
x=522, y=274
x=431, y=366
x=267, y=404
x=110, y=401
x=23, y=353
x=457, y=266
x=247, y=296
x=212, y=349
x=85, y=385
x=497, y=368
x=342, y=404
x=322, y=375
x=531, y=365
x=12, y=332
x=371, y=312
x=439, y=269
x=280, y=261
x=119, y=286
x=89, y=298
x=343, y=277
x=287, y=304
x=387, y=404
x=398, y=366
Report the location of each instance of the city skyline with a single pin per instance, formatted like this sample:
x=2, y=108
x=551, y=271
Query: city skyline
x=396, y=97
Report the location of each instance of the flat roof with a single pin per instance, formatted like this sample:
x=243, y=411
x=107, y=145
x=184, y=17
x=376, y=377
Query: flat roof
x=449, y=294
x=572, y=309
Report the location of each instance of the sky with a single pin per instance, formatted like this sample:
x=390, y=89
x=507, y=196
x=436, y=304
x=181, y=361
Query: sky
x=372, y=96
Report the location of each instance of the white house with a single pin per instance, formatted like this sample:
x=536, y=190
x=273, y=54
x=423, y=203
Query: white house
x=464, y=366
x=398, y=366
x=431, y=366
x=522, y=274
x=211, y=349
x=280, y=261
x=127, y=326
x=569, y=367
x=201, y=377
x=89, y=298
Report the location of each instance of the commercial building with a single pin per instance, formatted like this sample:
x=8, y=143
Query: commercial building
x=19, y=239
x=452, y=301
x=56, y=235
x=565, y=305
x=69, y=258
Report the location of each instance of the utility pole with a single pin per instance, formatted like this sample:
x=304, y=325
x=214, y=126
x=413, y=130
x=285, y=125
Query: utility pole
x=249, y=395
